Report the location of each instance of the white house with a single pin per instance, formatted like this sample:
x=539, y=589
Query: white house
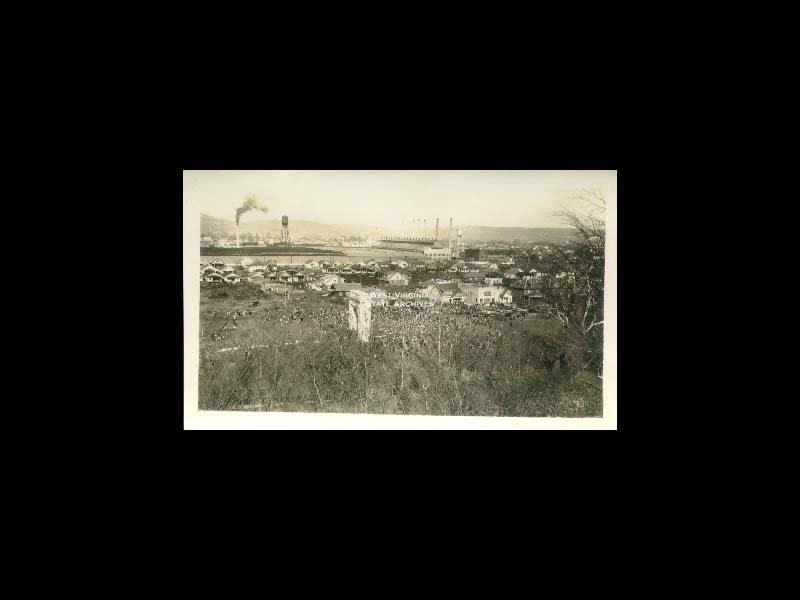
x=295, y=276
x=482, y=294
x=397, y=279
x=329, y=279
x=233, y=278
x=444, y=293
x=402, y=264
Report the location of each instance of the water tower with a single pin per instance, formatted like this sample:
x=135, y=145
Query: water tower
x=284, y=229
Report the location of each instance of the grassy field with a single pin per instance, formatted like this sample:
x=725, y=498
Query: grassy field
x=431, y=362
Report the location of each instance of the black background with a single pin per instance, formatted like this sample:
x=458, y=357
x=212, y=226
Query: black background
x=145, y=365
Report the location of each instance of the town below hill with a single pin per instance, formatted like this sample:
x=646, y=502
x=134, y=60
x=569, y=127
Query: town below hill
x=496, y=280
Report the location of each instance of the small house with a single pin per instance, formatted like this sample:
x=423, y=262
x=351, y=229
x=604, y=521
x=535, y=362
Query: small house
x=444, y=293
x=329, y=279
x=340, y=289
x=397, y=279
x=482, y=294
x=293, y=276
x=493, y=278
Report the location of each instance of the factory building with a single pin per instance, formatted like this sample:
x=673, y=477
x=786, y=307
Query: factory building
x=436, y=251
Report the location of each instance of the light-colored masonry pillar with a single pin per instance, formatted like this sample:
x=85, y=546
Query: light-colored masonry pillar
x=360, y=313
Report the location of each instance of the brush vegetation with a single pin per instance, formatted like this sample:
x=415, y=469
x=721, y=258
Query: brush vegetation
x=424, y=362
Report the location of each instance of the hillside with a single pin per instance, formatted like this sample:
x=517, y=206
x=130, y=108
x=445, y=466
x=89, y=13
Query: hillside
x=509, y=234
x=215, y=227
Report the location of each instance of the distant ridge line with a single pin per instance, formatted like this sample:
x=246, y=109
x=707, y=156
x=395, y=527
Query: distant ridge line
x=219, y=227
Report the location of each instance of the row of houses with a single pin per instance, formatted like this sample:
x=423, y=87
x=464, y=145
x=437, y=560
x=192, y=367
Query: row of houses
x=438, y=293
x=217, y=272
x=471, y=287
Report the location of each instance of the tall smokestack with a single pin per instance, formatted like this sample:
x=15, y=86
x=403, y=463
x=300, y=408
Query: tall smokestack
x=450, y=237
x=436, y=235
x=250, y=203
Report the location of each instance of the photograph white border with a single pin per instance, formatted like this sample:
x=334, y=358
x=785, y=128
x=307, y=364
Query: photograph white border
x=197, y=419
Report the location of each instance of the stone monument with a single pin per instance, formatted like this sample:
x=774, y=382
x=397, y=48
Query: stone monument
x=360, y=313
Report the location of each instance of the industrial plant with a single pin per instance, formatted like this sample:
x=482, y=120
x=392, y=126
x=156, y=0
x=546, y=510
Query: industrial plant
x=429, y=245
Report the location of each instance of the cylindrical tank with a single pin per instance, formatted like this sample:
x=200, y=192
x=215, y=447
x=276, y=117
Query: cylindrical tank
x=284, y=220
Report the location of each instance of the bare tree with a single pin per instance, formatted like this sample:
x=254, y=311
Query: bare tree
x=575, y=296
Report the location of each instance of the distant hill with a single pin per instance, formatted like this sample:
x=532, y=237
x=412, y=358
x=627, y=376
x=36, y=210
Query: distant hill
x=216, y=227
x=509, y=234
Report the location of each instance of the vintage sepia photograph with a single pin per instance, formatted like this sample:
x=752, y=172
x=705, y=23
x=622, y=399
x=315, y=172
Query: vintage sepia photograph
x=458, y=298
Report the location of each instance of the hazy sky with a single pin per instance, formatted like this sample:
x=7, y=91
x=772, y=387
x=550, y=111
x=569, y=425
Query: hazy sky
x=392, y=199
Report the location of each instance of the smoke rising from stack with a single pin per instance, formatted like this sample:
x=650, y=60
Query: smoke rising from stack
x=250, y=203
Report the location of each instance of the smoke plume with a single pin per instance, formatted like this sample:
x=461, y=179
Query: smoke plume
x=250, y=203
